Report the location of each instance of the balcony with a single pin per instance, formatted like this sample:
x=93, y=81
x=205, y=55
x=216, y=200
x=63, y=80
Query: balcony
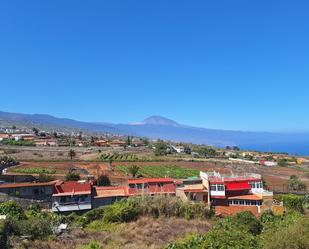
x=71, y=206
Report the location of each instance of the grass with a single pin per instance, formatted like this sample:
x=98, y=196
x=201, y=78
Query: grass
x=162, y=171
x=35, y=171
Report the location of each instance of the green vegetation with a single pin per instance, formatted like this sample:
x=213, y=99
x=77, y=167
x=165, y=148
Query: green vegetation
x=160, y=148
x=205, y=151
x=118, y=157
x=103, y=180
x=295, y=184
x=45, y=178
x=161, y=171
x=46, y=171
x=92, y=245
x=72, y=176
x=71, y=154
x=17, y=143
x=282, y=162
x=2, y=234
x=7, y=161
x=294, y=202
x=11, y=209
x=244, y=231
x=132, y=208
x=133, y=170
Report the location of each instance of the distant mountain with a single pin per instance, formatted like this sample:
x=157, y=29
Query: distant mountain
x=158, y=120
x=48, y=120
x=160, y=127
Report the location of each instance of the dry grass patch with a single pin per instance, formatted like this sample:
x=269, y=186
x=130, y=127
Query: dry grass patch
x=143, y=233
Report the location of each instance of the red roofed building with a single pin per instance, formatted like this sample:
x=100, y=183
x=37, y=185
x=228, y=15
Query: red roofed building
x=151, y=186
x=72, y=196
x=29, y=190
x=229, y=193
x=107, y=195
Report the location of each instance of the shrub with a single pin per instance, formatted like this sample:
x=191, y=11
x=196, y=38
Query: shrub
x=191, y=241
x=94, y=214
x=34, y=210
x=92, y=245
x=226, y=235
x=121, y=211
x=292, y=236
x=293, y=202
x=8, y=161
x=72, y=176
x=44, y=178
x=2, y=234
x=12, y=209
x=248, y=222
x=36, y=228
x=103, y=180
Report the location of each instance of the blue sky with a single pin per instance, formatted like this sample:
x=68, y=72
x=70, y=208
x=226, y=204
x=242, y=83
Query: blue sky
x=241, y=65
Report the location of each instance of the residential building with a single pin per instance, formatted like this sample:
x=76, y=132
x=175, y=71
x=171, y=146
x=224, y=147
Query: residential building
x=230, y=194
x=191, y=189
x=36, y=191
x=151, y=186
x=72, y=196
x=103, y=196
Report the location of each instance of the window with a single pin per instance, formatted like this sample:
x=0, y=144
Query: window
x=256, y=184
x=139, y=186
x=213, y=187
x=217, y=187
x=220, y=187
x=131, y=185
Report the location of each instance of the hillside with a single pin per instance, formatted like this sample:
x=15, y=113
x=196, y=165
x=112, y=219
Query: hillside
x=160, y=127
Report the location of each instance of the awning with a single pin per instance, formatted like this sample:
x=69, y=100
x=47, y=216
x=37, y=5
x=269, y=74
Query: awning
x=237, y=185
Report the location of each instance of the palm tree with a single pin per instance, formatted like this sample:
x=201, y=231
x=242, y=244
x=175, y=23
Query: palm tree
x=72, y=154
x=133, y=170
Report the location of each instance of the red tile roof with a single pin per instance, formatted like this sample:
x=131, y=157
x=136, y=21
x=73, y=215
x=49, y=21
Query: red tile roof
x=245, y=197
x=27, y=184
x=150, y=180
x=67, y=188
x=101, y=192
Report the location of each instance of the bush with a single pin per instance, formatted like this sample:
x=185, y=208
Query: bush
x=156, y=206
x=191, y=241
x=248, y=222
x=71, y=176
x=7, y=161
x=3, y=234
x=94, y=214
x=34, y=210
x=292, y=236
x=226, y=235
x=12, y=209
x=293, y=202
x=92, y=245
x=44, y=178
x=121, y=211
x=103, y=180
x=36, y=228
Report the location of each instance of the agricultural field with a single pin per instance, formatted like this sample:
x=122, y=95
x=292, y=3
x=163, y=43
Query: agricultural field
x=162, y=171
x=50, y=171
x=105, y=157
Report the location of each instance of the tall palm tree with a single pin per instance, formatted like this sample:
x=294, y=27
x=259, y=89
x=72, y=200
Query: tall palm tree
x=133, y=170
